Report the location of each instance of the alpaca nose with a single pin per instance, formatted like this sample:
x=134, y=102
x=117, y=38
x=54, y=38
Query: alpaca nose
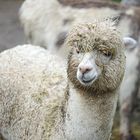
x=85, y=69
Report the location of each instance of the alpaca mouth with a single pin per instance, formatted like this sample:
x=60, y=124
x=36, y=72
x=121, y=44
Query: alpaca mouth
x=87, y=81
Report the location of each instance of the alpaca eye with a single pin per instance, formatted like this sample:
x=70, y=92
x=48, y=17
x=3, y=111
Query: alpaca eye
x=104, y=57
x=107, y=54
x=77, y=50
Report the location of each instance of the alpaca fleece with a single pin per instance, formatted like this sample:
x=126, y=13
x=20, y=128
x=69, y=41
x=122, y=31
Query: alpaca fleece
x=39, y=101
x=98, y=36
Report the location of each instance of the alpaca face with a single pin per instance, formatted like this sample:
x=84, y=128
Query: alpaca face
x=87, y=71
x=90, y=64
x=89, y=67
x=97, y=59
x=98, y=69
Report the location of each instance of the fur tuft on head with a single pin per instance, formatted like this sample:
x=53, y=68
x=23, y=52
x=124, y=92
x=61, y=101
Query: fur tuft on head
x=89, y=36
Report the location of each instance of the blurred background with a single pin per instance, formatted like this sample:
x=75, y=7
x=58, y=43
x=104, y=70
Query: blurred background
x=12, y=34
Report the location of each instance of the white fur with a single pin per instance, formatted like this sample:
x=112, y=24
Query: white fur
x=49, y=25
x=43, y=24
x=33, y=83
x=82, y=123
x=87, y=69
x=127, y=91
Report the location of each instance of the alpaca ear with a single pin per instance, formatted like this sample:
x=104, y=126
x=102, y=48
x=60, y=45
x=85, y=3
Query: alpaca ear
x=129, y=43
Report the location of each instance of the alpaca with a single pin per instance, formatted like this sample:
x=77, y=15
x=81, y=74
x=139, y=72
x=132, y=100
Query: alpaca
x=53, y=25
x=31, y=92
x=128, y=91
x=40, y=100
x=48, y=27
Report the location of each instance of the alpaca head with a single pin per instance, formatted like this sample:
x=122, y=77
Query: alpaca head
x=96, y=60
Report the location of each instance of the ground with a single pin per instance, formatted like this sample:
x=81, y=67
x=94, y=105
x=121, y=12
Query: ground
x=11, y=34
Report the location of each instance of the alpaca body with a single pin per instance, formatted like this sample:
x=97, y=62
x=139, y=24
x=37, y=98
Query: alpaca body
x=81, y=112
x=128, y=92
x=131, y=73
x=41, y=101
x=53, y=25
x=56, y=23
x=83, y=117
x=29, y=88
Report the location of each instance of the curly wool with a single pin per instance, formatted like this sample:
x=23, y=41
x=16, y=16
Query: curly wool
x=38, y=103
x=95, y=35
x=31, y=92
x=98, y=36
x=43, y=25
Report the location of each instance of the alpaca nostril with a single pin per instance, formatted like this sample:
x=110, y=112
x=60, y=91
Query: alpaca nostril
x=85, y=69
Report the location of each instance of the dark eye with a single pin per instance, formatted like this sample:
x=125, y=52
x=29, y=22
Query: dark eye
x=107, y=54
x=77, y=50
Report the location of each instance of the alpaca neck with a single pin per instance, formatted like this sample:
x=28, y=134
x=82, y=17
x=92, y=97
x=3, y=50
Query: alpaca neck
x=89, y=117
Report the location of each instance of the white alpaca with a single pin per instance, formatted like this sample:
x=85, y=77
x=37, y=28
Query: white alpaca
x=53, y=25
x=36, y=101
x=129, y=90
x=46, y=23
x=47, y=27
x=32, y=87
